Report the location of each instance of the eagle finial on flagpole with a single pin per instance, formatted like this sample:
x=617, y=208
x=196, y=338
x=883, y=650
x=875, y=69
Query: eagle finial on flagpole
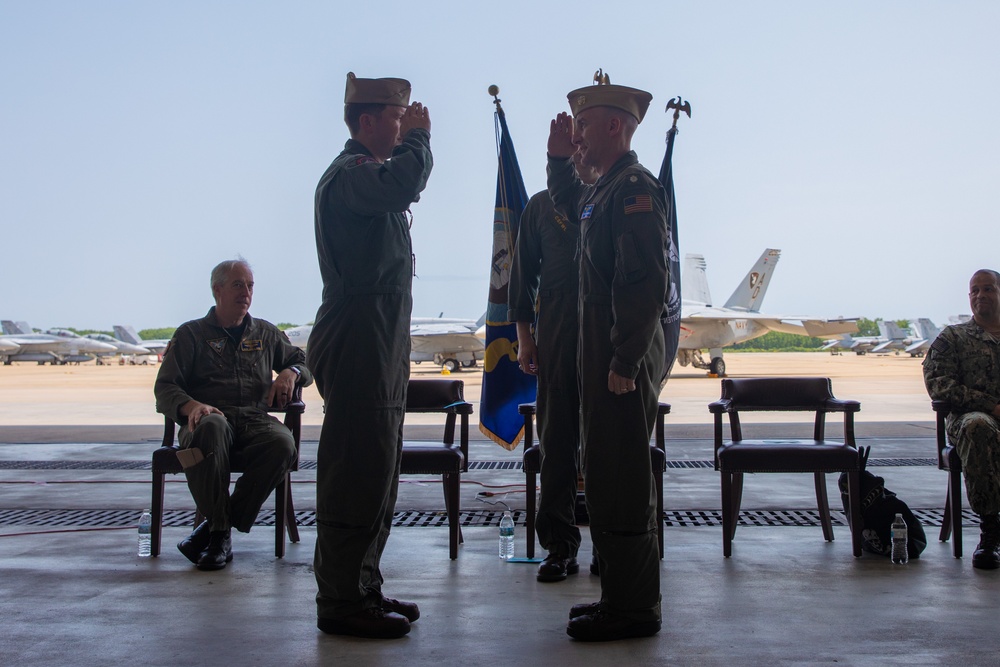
x=678, y=105
x=601, y=78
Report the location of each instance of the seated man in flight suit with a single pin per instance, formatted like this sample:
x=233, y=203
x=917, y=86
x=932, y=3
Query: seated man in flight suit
x=217, y=383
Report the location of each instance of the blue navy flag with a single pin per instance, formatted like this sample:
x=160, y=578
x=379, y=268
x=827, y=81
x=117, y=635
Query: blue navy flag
x=671, y=321
x=505, y=387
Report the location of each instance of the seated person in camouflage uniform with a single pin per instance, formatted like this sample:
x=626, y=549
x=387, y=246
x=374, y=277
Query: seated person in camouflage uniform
x=963, y=368
x=216, y=383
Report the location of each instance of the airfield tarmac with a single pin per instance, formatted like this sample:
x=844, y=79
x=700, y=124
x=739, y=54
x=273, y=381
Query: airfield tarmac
x=889, y=387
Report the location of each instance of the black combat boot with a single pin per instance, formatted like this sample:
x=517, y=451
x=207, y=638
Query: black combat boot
x=987, y=555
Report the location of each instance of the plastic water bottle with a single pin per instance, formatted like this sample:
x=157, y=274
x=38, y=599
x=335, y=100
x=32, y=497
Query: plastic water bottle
x=506, y=536
x=899, y=553
x=145, y=530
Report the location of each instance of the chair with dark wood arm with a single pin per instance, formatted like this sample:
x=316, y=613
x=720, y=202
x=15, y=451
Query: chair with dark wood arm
x=949, y=461
x=819, y=455
x=446, y=457
x=165, y=462
x=531, y=463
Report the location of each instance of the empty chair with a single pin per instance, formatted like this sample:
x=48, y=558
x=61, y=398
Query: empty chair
x=445, y=456
x=819, y=455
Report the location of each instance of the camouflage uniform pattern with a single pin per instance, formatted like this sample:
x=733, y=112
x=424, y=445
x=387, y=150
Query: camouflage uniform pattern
x=546, y=272
x=205, y=363
x=963, y=368
x=623, y=289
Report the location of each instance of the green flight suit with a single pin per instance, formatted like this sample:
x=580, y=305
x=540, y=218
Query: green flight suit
x=545, y=274
x=963, y=368
x=359, y=351
x=623, y=289
x=205, y=363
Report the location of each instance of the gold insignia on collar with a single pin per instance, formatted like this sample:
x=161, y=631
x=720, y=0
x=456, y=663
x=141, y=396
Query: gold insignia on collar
x=581, y=100
x=634, y=179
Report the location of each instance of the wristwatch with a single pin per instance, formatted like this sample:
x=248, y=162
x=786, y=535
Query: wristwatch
x=298, y=373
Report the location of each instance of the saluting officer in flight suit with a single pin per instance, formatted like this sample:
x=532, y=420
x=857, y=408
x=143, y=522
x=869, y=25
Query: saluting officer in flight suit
x=359, y=350
x=623, y=289
x=544, y=280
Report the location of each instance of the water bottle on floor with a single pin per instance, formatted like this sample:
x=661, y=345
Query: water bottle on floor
x=899, y=553
x=145, y=530
x=506, y=536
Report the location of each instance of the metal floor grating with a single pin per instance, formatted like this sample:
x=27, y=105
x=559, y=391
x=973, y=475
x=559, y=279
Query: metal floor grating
x=438, y=519
x=310, y=464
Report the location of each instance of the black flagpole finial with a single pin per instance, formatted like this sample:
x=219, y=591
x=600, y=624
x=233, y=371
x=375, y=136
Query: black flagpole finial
x=494, y=90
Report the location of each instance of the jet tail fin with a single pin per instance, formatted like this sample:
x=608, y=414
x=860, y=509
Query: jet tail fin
x=749, y=295
x=928, y=330
x=892, y=330
x=14, y=328
x=126, y=333
x=694, y=283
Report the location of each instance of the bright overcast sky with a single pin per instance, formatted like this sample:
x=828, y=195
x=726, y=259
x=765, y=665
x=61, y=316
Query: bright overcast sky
x=142, y=142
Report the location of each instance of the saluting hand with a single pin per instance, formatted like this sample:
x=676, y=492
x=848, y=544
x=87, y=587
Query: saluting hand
x=561, y=136
x=416, y=116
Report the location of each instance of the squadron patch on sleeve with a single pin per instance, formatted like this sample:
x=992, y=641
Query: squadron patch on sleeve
x=251, y=345
x=638, y=204
x=363, y=159
x=217, y=344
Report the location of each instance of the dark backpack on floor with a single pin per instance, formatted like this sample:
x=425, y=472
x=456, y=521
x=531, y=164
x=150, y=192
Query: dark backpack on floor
x=879, y=507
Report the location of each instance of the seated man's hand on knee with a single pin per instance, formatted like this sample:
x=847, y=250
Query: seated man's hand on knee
x=195, y=410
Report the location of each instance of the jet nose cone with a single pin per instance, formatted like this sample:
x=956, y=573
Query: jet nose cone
x=97, y=346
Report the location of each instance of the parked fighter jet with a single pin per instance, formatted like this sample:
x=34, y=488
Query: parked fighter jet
x=55, y=349
x=857, y=344
x=895, y=338
x=121, y=347
x=451, y=343
x=126, y=333
x=706, y=326
x=927, y=331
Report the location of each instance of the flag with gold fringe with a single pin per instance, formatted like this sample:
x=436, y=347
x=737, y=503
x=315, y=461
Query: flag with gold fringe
x=505, y=387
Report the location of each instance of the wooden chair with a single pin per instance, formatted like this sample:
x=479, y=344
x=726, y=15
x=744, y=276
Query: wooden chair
x=949, y=461
x=165, y=462
x=446, y=458
x=531, y=463
x=735, y=457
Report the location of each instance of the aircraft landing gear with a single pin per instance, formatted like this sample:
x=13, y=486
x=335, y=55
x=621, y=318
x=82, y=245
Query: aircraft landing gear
x=469, y=364
x=718, y=367
x=451, y=365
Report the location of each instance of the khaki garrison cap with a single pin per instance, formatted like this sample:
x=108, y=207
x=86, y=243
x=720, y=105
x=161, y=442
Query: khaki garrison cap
x=627, y=99
x=394, y=92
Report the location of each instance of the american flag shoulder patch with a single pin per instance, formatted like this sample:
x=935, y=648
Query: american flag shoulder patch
x=638, y=204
